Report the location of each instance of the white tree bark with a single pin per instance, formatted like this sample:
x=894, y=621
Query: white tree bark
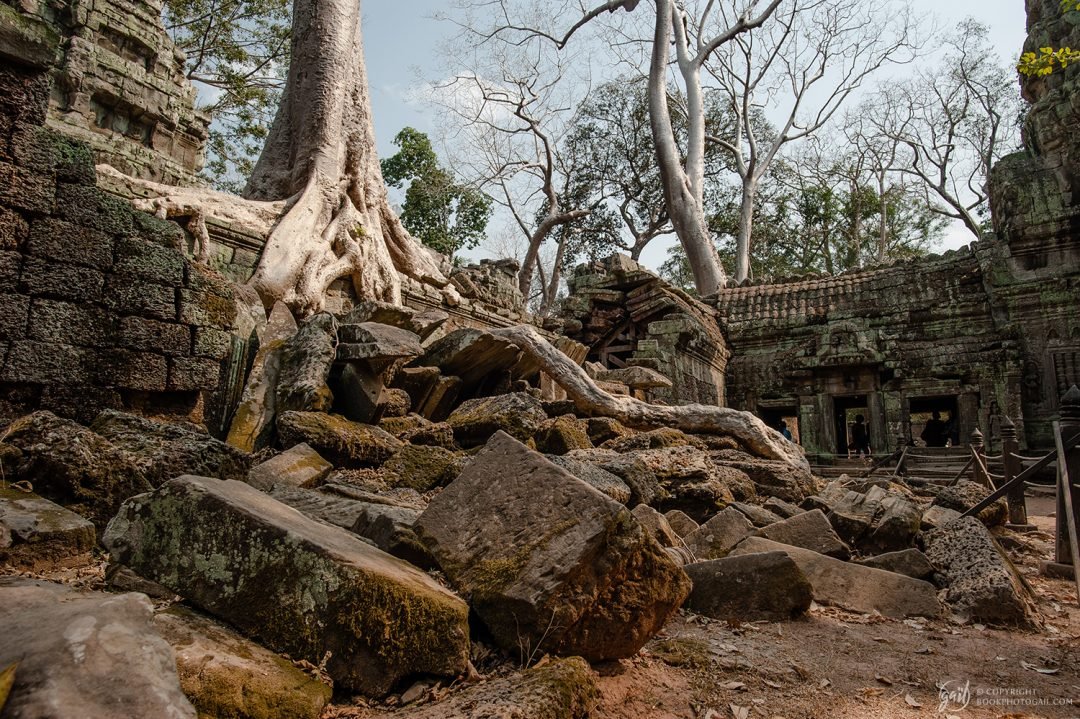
x=708, y=419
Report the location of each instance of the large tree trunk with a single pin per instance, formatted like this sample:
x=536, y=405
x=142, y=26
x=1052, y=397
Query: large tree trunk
x=708, y=419
x=321, y=155
x=684, y=195
x=746, y=230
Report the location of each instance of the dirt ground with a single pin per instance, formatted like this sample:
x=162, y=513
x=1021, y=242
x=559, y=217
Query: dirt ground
x=833, y=664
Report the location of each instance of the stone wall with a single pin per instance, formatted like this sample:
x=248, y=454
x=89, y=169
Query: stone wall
x=99, y=306
x=118, y=84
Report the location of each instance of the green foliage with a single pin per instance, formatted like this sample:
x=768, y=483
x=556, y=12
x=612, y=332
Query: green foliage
x=1043, y=63
x=442, y=213
x=239, y=50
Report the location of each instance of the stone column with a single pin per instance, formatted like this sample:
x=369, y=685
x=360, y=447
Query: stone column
x=1010, y=448
x=978, y=450
x=1070, y=425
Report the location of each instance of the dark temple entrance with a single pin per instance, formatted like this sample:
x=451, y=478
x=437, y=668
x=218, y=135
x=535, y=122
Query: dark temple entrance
x=921, y=409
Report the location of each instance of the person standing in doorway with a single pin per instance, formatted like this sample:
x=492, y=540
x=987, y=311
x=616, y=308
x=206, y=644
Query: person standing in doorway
x=785, y=431
x=936, y=431
x=860, y=438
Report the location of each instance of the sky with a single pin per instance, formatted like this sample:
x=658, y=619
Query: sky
x=402, y=39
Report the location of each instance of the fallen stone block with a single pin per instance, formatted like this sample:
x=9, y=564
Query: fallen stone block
x=391, y=529
x=68, y=464
x=895, y=526
x=809, y=530
x=964, y=495
x=758, y=516
x=771, y=478
x=422, y=467
x=784, y=510
x=226, y=675
x=936, y=516
x=376, y=343
x=474, y=356
x=298, y=466
x=983, y=585
x=563, y=434
x=421, y=323
x=598, y=477
x=38, y=535
x=909, y=562
x=299, y=586
x=643, y=484
x=252, y=427
x=343, y=443
x=164, y=450
x=550, y=563
x=749, y=588
x=329, y=508
x=558, y=689
x=853, y=586
x=476, y=420
x=86, y=655
x=681, y=522
x=719, y=535
x=657, y=525
x=853, y=516
x=306, y=358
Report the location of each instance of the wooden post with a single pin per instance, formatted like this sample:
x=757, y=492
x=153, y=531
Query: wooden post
x=1070, y=424
x=979, y=462
x=1010, y=448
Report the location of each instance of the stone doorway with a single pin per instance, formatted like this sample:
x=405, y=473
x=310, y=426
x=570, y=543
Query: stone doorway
x=845, y=410
x=921, y=409
x=789, y=414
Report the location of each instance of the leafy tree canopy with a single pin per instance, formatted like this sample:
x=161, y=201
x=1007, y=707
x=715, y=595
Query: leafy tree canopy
x=442, y=213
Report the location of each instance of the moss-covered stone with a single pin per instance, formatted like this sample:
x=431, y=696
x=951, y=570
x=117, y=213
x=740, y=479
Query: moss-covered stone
x=475, y=420
x=229, y=677
x=563, y=434
x=422, y=468
x=38, y=535
x=74, y=467
x=343, y=443
x=300, y=586
x=549, y=563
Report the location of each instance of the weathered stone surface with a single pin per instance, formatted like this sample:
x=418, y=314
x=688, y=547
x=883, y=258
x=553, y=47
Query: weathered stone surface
x=394, y=403
x=306, y=358
x=298, y=466
x=563, y=434
x=331, y=508
x=719, y=535
x=644, y=487
x=602, y=429
x=359, y=391
x=852, y=586
x=784, y=510
x=377, y=343
x=391, y=529
x=910, y=562
x=38, y=535
x=680, y=522
x=983, y=584
x=758, y=516
x=853, y=516
x=297, y=585
x=432, y=434
x=771, y=478
x=472, y=355
x=422, y=467
x=74, y=467
x=164, y=451
x=657, y=525
x=936, y=516
x=226, y=675
x=253, y=423
x=895, y=526
x=661, y=438
x=344, y=443
x=749, y=588
x=809, y=530
x=86, y=655
x=421, y=323
x=596, y=476
x=558, y=689
x=549, y=562
x=476, y=420
x=964, y=495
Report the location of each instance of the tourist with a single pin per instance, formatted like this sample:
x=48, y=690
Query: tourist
x=785, y=431
x=936, y=431
x=860, y=438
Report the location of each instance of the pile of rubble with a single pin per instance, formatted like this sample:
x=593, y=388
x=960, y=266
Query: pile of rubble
x=385, y=483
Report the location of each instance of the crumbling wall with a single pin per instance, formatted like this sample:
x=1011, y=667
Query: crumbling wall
x=99, y=307
x=118, y=85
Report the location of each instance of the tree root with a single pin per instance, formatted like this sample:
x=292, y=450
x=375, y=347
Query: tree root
x=589, y=398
